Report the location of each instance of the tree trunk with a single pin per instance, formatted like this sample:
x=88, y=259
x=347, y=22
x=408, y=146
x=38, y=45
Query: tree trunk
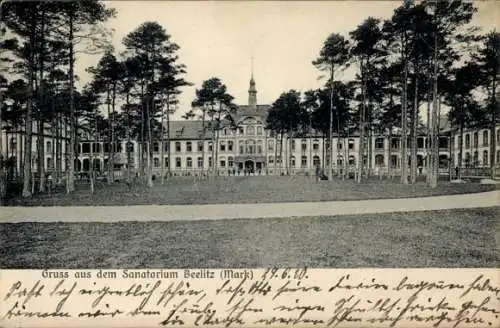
x=361, y=126
x=110, y=137
x=428, y=165
x=404, y=125
x=149, y=144
x=129, y=141
x=29, y=123
x=169, y=151
x=389, y=171
x=162, y=141
x=330, y=135
x=414, y=121
x=41, y=97
x=434, y=177
x=493, y=125
x=70, y=182
x=113, y=142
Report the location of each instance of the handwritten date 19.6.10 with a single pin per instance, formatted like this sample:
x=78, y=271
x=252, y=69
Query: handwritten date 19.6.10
x=285, y=273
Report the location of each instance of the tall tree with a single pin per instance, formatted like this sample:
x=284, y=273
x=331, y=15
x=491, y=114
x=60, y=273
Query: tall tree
x=151, y=46
x=367, y=52
x=333, y=56
x=214, y=102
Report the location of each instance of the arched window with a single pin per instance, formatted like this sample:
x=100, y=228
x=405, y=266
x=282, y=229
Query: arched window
x=293, y=144
x=476, y=139
x=303, y=161
x=222, y=145
x=379, y=160
x=200, y=162
x=222, y=161
x=467, y=158
x=303, y=144
x=156, y=162
x=200, y=145
x=189, y=162
x=48, y=147
x=156, y=147
x=259, y=146
x=210, y=146
x=467, y=140
x=270, y=145
x=379, y=143
x=292, y=160
x=271, y=160
x=242, y=147
x=178, y=162
x=485, y=138
x=316, y=160
x=230, y=144
x=230, y=161
x=476, y=159
x=340, y=160
x=315, y=144
x=259, y=130
x=351, y=145
x=250, y=149
x=485, y=158
x=352, y=160
x=250, y=130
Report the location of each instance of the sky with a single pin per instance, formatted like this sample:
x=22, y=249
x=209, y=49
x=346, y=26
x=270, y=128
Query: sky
x=219, y=38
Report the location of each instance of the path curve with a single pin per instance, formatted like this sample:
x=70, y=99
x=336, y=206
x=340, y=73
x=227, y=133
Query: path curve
x=244, y=211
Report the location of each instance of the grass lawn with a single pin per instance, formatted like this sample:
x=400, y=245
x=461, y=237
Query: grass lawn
x=246, y=190
x=452, y=238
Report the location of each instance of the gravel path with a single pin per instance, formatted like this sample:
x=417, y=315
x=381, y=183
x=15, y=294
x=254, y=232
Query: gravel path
x=244, y=211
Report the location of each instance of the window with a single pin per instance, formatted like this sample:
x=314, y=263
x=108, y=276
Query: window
x=270, y=145
x=200, y=145
x=230, y=145
x=443, y=142
x=394, y=143
x=315, y=145
x=210, y=162
x=250, y=130
x=303, y=161
x=316, y=161
x=224, y=131
x=420, y=143
x=475, y=159
x=189, y=162
x=467, y=140
x=271, y=160
x=485, y=158
x=250, y=149
x=156, y=162
x=293, y=144
x=351, y=144
x=379, y=143
x=242, y=147
x=240, y=130
x=259, y=130
x=498, y=137
x=85, y=147
x=222, y=162
x=210, y=146
x=467, y=159
x=156, y=147
x=96, y=147
x=165, y=161
x=459, y=141
x=339, y=145
x=304, y=145
x=230, y=161
x=292, y=161
x=485, y=138
x=177, y=147
x=49, y=147
x=340, y=160
x=327, y=144
x=352, y=160
x=177, y=162
x=222, y=145
x=200, y=162
x=476, y=139
x=189, y=146
x=165, y=147
x=498, y=156
x=50, y=164
x=259, y=147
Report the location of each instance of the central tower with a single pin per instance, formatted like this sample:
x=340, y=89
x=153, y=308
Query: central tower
x=252, y=91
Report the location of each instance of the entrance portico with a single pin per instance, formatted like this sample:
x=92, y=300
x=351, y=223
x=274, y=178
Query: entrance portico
x=250, y=164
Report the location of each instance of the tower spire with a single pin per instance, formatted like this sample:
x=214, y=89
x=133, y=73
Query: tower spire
x=252, y=91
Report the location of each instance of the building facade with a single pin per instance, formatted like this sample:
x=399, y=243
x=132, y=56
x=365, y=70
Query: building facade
x=248, y=149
